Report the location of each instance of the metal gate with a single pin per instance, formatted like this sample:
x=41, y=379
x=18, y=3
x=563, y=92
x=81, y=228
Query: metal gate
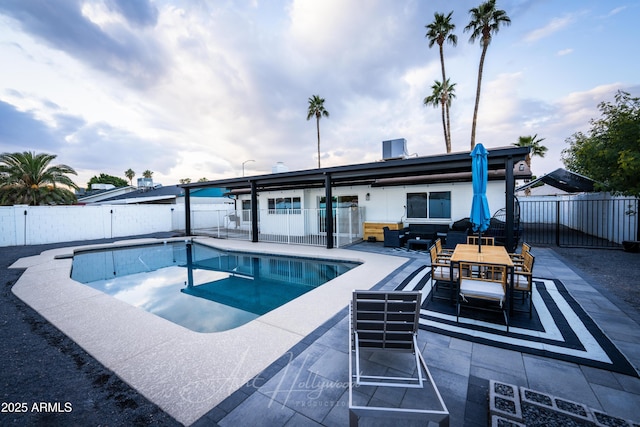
x=586, y=220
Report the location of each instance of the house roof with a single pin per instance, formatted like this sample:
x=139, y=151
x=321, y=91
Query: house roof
x=438, y=168
x=160, y=194
x=92, y=196
x=564, y=180
x=147, y=195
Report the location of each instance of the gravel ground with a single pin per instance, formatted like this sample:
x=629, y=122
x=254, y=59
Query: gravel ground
x=615, y=273
x=40, y=364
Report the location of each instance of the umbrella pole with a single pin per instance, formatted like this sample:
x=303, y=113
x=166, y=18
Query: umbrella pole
x=479, y=241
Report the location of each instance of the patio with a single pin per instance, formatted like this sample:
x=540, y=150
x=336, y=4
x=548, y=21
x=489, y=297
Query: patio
x=307, y=385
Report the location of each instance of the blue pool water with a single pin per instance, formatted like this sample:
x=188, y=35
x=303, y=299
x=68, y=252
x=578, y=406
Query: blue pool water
x=199, y=287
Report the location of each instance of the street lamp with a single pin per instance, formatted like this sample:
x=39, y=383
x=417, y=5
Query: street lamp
x=243, y=163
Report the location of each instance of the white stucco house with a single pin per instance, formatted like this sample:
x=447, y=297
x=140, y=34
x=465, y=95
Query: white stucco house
x=397, y=191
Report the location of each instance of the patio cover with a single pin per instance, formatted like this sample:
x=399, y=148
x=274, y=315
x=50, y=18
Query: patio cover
x=446, y=167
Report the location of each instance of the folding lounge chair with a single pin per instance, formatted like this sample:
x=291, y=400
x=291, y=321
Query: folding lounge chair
x=386, y=321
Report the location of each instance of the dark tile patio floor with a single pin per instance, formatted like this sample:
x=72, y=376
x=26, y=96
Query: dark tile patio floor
x=308, y=385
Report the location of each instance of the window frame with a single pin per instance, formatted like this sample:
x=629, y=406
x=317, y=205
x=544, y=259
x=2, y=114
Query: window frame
x=294, y=203
x=426, y=196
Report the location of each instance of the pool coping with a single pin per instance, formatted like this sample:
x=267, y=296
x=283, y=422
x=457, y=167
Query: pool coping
x=187, y=373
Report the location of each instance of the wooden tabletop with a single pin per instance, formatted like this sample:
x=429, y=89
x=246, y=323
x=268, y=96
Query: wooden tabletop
x=489, y=254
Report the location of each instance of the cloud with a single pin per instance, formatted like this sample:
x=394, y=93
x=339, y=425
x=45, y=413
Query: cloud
x=136, y=58
x=616, y=11
x=555, y=25
x=21, y=130
x=138, y=12
x=564, y=52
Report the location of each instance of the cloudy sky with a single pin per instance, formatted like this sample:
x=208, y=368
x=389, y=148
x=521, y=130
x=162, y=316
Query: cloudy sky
x=191, y=89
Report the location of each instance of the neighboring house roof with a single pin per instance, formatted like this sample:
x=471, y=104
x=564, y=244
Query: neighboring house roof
x=564, y=180
x=160, y=194
x=440, y=168
x=93, y=196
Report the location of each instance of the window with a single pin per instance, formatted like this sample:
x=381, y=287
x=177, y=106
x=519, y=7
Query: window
x=417, y=205
x=283, y=205
x=246, y=210
x=434, y=205
x=339, y=202
x=440, y=204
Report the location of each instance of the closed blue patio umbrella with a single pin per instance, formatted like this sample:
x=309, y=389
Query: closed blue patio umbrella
x=480, y=216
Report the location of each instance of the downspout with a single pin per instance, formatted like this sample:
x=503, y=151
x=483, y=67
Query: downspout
x=329, y=206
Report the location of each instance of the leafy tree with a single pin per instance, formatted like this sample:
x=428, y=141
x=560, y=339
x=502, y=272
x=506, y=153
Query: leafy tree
x=485, y=21
x=610, y=151
x=439, y=31
x=129, y=173
x=29, y=178
x=147, y=174
x=442, y=96
x=103, y=178
x=316, y=108
x=534, y=143
x=203, y=179
x=185, y=180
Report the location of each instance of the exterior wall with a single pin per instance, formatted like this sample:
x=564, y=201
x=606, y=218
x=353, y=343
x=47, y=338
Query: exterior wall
x=611, y=218
x=387, y=204
x=34, y=225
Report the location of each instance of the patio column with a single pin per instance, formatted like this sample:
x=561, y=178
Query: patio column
x=510, y=201
x=187, y=211
x=328, y=220
x=254, y=212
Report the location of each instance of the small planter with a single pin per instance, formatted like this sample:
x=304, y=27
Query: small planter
x=631, y=245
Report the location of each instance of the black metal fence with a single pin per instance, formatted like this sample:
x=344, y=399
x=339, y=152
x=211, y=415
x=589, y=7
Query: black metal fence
x=588, y=220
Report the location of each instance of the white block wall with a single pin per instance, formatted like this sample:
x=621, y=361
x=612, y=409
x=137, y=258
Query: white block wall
x=34, y=225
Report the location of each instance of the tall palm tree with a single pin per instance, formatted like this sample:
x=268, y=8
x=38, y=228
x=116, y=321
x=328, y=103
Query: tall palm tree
x=485, y=21
x=534, y=143
x=147, y=174
x=442, y=96
x=439, y=31
x=28, y=178
x=316, y=108
x=129, y=173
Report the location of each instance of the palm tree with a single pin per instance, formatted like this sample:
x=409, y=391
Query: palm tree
x=439, y=31
x=28, y=178
x=147, y=174
x=129, y=173
x=316, y=108
x=442, y=96
x=485, y=21
x=536, y=150
x=534, y=143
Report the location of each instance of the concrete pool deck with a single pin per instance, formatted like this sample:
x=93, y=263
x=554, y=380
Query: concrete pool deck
x=461, y=369
x=184, y=372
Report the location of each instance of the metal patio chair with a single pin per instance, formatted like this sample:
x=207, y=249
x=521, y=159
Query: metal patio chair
x=386, y=321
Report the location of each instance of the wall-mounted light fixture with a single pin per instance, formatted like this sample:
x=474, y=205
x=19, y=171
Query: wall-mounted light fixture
x=368, y=197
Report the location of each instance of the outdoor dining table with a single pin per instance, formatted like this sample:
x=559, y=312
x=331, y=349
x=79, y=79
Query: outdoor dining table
x=488, y=255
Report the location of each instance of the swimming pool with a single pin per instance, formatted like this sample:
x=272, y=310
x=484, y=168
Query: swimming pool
x=200, y=287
